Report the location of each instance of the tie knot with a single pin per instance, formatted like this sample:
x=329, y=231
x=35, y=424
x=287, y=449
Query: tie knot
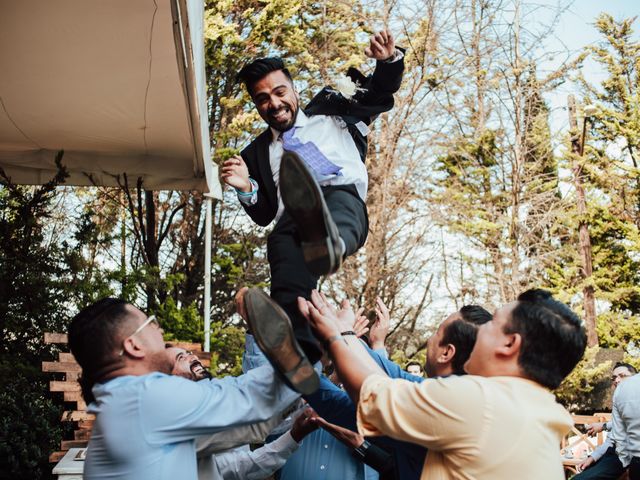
x=288, y=134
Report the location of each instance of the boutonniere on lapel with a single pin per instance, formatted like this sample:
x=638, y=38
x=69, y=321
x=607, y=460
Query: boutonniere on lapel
x=346, y=87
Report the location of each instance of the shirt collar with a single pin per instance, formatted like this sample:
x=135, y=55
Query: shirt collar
x=301, y=121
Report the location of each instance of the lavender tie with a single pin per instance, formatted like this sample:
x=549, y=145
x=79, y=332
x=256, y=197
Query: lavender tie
x=311, y=154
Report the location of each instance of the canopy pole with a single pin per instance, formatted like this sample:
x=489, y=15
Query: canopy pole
x=207, y=273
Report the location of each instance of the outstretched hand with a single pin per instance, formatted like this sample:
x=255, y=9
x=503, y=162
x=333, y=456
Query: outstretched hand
x=304, y=424
x=325, y=320
x=350, y=438
x=380, y=328
x=382, y=46
x=361, y=325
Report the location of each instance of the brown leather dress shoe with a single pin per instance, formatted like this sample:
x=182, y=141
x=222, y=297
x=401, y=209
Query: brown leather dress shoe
x=272, y=330
x=303, y=200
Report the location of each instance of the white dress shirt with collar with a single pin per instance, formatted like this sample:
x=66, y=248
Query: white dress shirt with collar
x=625, y=416
x=331, y=136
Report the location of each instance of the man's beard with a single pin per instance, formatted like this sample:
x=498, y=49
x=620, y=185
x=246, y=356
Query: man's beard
x=198, y=371
x=286, y=126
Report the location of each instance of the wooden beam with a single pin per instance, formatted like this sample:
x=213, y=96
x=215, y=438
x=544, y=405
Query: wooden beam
x=72, y=396
x=75, y=416
x=55, y=386
x=62, y=367
x=66, y=357
x=82, y=434
x=55, y=457
x=86, y=424
x=56, y=338
x=67, y=444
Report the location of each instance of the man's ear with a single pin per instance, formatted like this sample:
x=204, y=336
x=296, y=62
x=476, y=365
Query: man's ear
x=511, y=345
x=133, y=347
x=447, y=354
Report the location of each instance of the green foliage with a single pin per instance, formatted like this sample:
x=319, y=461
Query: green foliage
x=619, y=330
x=227, y=346
x=30, y=423
x=574, y=392
x=33, y=274
x=183, y=324
x=401, y=358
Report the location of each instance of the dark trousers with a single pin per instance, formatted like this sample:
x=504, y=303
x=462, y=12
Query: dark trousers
x=607, y=468
x=290, y=277
x=634, y=469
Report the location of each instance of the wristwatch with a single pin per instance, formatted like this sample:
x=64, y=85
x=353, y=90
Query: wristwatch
x=361, y=451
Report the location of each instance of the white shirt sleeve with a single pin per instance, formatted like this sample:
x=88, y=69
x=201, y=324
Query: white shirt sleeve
x=257, y=464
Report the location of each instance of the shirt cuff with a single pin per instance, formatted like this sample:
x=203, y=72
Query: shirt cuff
x=287, y=443
x=249, y=198
x=367, y=404
x=382, y=352
x=597, y=454
x=397, y=56
x=252, y=357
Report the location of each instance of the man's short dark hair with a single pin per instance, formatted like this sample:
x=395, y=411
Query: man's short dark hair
x=553, y=338
x=626, y=365
x=462, y=334
x=94, y=334
x=260, y=68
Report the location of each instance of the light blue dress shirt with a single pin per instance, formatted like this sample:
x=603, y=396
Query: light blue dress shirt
x=321, y=456
x=625, y=416
x=146, y=426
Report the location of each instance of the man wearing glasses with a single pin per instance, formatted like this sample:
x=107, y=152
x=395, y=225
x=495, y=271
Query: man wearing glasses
x=147, y=420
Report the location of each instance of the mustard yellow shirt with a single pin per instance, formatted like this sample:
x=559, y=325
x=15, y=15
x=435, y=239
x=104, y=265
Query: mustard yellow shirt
x=474, y=427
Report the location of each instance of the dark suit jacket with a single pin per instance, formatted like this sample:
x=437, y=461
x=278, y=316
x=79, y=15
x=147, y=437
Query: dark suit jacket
x=375, y=98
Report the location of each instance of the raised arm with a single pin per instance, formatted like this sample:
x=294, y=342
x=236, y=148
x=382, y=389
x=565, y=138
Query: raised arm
x=352, y=361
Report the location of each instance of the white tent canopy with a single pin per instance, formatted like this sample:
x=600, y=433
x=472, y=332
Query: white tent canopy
x=119, y=85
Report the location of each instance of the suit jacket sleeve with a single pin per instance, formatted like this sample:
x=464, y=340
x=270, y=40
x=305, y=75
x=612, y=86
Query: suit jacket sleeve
x=374, y=97
x=256, y=156
x=384, y=82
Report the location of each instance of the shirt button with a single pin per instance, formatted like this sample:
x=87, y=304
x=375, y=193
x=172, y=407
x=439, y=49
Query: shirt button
x=326, y=446
x=321, y=467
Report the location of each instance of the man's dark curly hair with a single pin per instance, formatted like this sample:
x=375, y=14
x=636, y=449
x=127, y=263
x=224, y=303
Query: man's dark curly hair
x=260, y=68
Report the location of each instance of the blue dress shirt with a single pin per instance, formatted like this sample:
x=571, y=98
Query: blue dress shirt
x=146, y=426
x=335, y=406
x=322, y=457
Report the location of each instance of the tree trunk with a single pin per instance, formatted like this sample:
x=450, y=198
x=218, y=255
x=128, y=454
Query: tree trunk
x=577, y=148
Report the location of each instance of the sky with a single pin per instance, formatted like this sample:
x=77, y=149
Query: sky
x=576, y=30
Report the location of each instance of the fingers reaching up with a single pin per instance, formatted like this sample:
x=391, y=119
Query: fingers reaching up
x=381, y=47
x=361, y=325
x=380, y=328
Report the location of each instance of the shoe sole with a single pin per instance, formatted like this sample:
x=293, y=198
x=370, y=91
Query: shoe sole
x=272, y=330
x=303, y=200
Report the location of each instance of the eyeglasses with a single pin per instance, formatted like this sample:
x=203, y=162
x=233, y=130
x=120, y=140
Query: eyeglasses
x=151, y=319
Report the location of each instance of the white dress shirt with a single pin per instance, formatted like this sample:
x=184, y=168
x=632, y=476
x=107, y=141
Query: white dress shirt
x=625, y=416
x=331, y=136
x=244, y=464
